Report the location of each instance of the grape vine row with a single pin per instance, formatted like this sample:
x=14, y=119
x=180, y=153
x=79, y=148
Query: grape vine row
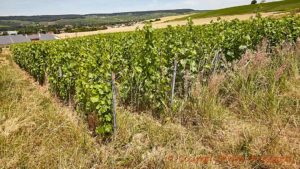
x=80, y=69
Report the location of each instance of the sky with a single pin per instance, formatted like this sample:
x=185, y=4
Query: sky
x=55, y=7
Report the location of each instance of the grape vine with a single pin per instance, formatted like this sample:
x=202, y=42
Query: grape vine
x=79, y=70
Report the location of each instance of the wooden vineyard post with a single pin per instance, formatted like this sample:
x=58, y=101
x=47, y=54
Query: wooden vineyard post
x=70, y=102
x=215, y=62
x=60, y=72
x=59, y=77
x=186, y=84
x=70, y=92
x=114, y=100
x=173, y=82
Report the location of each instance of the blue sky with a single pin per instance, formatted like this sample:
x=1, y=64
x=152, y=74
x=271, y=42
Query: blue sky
x=42, y=7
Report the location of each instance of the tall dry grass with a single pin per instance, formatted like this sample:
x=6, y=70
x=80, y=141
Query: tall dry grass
x=252, y=110
x=36, y=132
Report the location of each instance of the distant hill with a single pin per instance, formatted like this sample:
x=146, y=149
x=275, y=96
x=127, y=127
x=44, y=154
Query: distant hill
x=285, y=5
x=87, y=22
x=48, y=18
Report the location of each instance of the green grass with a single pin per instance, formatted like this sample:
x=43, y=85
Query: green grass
x=285, y=5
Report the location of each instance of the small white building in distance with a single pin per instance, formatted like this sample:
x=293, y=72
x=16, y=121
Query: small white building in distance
x=12, y=32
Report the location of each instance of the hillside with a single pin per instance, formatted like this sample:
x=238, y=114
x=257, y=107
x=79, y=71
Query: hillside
x=49, y=18
x=36, y=131
x=278, y=6
x=221, y=95
x=92, y=20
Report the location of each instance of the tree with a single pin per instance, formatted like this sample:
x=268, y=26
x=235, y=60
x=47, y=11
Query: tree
x=254, y=2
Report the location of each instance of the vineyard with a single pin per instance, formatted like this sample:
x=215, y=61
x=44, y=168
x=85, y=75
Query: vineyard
x=148, y=69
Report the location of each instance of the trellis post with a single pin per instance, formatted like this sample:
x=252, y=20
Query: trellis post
x=173, y=82
x=114, y=104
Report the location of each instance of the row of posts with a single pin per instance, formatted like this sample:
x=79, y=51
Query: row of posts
x=214, y=64
x=114, y=101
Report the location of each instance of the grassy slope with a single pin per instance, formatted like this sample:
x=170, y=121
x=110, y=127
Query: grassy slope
x=36, y=132
x=252, y=111
x=285, y=5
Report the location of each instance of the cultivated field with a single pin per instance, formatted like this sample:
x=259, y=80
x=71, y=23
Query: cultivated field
x=221, y=94
x=37, y=131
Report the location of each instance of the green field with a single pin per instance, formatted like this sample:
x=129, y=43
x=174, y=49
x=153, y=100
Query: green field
x=286, y=5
